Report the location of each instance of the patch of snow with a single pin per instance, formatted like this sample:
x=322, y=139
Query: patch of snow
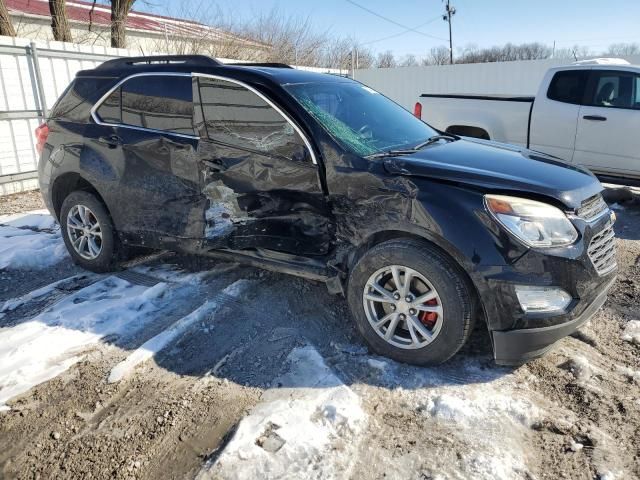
x=631, y=374
x=576, y=446
x=236, y=288
x=29, y=249
x=309, y=428
x=39, y=349
x=472, y=404
x=475, y=405
x=14, y=303
x=34, y=219
x=631, y=332
x=377, y=364
x=581, y=368
x=155, y=344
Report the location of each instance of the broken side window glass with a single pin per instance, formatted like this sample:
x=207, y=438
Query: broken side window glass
x=238, y=117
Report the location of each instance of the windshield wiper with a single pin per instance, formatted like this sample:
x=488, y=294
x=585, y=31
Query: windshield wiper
x=408, y=151
x=434, y=139
x=391, y=153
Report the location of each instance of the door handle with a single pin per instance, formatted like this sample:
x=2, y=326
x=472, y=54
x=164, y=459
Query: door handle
x=112, y=141
x=597, y=118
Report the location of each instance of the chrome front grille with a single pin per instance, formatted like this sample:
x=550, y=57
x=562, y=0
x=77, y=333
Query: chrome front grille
x=592, y=208
x=602, y=250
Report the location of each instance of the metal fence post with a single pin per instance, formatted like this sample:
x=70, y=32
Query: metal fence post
x=39, y=84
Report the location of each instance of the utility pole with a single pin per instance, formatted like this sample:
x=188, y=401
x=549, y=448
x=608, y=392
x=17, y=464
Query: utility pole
x=451, y=11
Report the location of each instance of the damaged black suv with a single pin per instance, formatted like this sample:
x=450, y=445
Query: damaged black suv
x=320, y=176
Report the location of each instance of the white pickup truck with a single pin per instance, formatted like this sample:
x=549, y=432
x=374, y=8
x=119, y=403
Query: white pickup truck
x=586, y=114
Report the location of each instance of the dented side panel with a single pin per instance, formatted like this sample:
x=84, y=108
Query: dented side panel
x=150, y=181
x=257, y=201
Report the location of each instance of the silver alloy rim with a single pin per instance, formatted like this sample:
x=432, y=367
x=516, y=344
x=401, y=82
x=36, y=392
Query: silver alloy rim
x=84, y=232
x=403, y=307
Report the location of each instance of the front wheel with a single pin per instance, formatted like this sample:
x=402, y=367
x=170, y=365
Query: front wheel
x=88, y=232
x=411, y=302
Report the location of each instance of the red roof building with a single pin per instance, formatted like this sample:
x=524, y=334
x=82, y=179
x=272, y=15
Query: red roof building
x=27, y=15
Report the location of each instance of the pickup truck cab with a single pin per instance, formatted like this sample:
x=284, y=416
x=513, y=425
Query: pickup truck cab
x=585, y=114
x=320, y=176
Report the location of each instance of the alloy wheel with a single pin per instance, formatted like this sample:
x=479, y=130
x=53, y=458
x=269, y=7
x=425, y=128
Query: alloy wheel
x=403, y=307
x=85, y=232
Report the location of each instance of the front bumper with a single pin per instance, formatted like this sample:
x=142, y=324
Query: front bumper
x=515, y=347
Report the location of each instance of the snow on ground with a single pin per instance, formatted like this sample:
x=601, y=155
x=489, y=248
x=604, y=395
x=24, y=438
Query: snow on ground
x=309, y=428
x=631, y=332
x=483, y=408
x=155, y=344
x=30, y=241
x=14, y=303
x=45, y=346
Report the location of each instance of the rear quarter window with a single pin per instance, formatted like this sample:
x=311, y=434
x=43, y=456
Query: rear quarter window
x=568, y=86
x=77, y=100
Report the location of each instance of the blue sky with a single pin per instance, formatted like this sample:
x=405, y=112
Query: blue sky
x=594, y=23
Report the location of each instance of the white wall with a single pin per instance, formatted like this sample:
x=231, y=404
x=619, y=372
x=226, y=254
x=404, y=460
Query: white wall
x=406, y=84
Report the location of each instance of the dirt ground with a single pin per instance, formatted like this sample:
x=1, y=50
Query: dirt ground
x=575, y=413
x=21, y=202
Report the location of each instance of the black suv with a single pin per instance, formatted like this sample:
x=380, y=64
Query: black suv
x=320, y=176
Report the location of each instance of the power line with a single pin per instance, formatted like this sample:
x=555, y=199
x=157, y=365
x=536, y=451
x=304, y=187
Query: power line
x=410, y=29
x=404, y=32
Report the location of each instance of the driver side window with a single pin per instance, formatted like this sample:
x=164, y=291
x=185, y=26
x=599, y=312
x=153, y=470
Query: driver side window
x=615, y=90
x=238, y=117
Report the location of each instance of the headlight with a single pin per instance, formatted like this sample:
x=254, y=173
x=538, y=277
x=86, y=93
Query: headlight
x=534, y=223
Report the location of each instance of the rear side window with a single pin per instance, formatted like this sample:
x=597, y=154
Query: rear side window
x=614, y=89
x=77, y=100
x=154, y=102
x=238, y=117
x=568, y=86
x=109, y=111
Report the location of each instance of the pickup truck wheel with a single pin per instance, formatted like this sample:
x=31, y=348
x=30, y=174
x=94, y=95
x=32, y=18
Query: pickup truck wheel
x=410, y=302
x=88, y=232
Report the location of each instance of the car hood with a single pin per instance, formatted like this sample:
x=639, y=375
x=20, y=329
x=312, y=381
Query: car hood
x=496, y=166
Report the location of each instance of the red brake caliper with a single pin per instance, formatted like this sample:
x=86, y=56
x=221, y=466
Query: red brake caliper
x=429, y=318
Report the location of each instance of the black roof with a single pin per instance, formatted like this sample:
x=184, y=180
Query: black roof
x=277, y=72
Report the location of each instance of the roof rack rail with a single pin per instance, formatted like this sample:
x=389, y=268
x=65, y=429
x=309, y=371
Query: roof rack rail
x=259, y=64
x=187, y=60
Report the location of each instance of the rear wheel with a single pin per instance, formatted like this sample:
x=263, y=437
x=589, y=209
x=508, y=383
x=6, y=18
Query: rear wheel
x=88, y=232
x=411, y=302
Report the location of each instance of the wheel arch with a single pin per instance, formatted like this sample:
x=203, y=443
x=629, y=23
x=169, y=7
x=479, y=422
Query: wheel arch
x=469, y=131
x=68, y=183
x=474, y=283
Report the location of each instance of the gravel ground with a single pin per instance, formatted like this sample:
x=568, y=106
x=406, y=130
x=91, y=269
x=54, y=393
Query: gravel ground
x=573, y=414
x=21, y=202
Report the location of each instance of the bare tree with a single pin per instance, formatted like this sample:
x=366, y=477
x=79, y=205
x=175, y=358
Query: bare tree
x=365, y=58
x=623, y=49
x=574, y=53
x=59, y=22
x=386, y=60
x=409, y=61
x=437, y=56
x=119, y=12
x=6, y=27
x=506, y=53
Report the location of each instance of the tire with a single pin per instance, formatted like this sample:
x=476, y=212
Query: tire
x=432, y=272
x=107, y=257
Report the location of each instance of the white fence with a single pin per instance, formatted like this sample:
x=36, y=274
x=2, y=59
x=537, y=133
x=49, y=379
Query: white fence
x=32, y=77
x=406, y=84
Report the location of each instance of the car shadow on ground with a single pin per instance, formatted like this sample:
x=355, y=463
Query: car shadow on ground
x=250, y=333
